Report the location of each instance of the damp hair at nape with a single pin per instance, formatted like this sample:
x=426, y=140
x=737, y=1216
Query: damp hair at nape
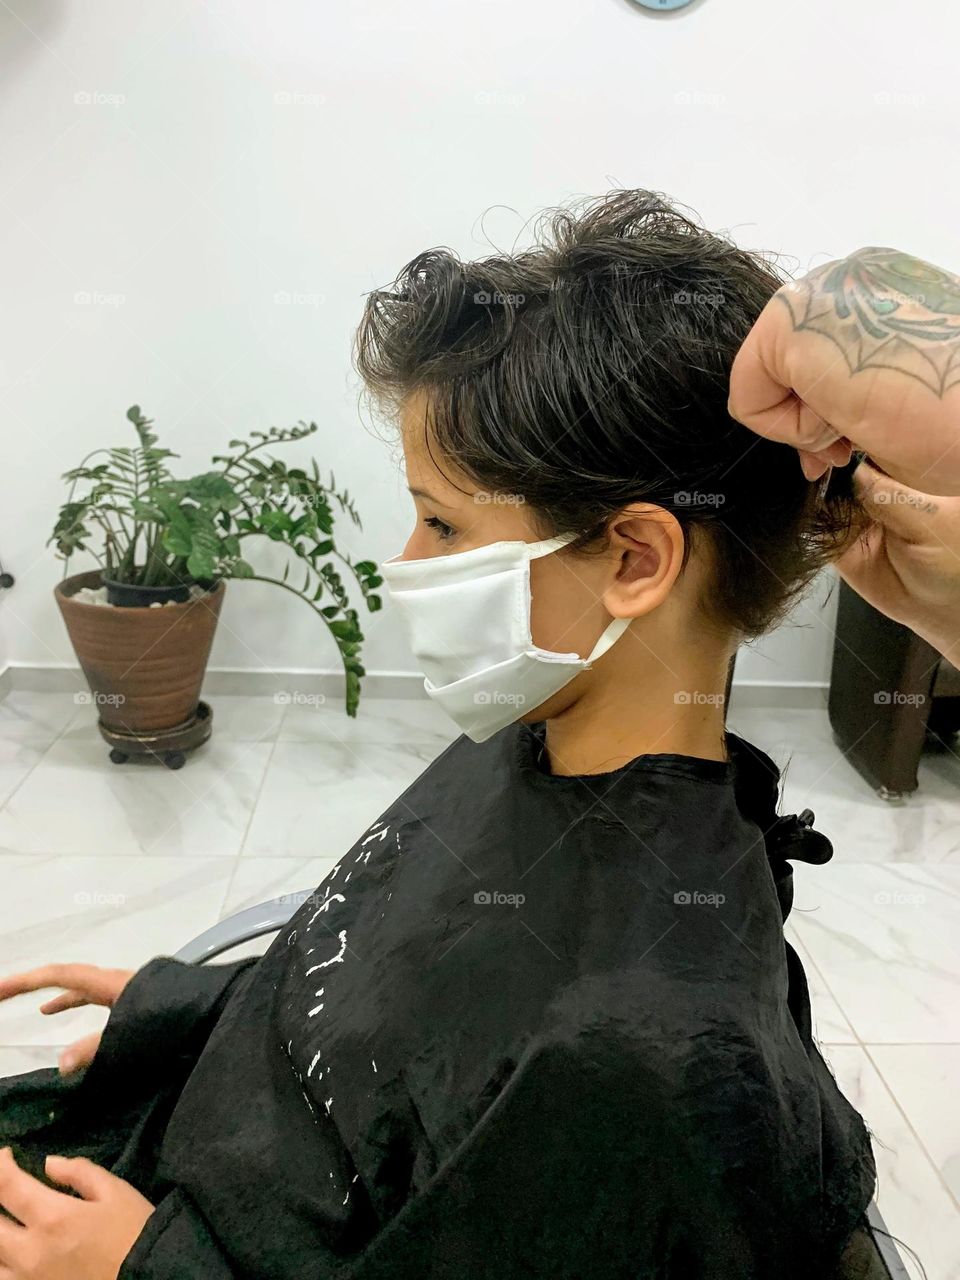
x=591, y=371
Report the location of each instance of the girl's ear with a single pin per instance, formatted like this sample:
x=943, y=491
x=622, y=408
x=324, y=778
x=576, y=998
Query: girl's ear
x=647, y=548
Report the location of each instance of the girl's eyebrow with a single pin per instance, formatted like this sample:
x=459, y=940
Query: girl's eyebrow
x=423, y=493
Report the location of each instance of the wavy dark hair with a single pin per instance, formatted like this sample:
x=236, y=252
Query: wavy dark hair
x=591, y=371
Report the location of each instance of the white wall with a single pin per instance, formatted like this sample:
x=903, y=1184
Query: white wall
x=221, y=154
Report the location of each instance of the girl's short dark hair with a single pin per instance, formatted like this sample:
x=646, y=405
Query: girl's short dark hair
x=592, y=371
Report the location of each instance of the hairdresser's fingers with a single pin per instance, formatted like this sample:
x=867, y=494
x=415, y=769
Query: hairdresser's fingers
x=817, y=464
x=761, y=391
x=908, y=563
x=864, y=351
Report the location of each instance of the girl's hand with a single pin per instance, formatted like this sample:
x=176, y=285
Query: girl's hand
x=60, y=1237
x=84, y=984
x=862, y=353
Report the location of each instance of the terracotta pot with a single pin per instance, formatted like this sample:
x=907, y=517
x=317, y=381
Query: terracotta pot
x=144, y=666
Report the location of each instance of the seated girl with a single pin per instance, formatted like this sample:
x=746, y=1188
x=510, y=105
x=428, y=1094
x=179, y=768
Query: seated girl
x=541, y=1019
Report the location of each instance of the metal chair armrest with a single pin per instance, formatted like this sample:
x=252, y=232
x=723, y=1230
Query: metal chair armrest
x=243, y=926
x=886, y=1246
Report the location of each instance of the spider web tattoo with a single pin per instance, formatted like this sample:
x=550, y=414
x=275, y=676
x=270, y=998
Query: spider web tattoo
x=884, y=309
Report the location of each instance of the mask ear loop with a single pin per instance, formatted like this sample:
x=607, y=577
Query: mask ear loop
x=614, y=628
x=548, y=545
x=612, y=633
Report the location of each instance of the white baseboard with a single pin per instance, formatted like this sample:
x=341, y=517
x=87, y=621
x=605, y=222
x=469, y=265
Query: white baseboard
x=746, y=694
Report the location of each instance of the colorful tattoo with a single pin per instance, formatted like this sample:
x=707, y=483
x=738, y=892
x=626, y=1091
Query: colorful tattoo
x=884, y=310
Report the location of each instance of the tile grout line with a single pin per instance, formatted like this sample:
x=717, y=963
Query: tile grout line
x=45, y=748
x=253, y=809
x=829, y=990
x=865, y=1047
x=922, y=1145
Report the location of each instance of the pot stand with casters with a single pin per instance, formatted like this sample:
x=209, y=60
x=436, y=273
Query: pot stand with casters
x=167, y=745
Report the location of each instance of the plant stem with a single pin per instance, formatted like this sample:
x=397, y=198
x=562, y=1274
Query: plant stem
x=276, y=582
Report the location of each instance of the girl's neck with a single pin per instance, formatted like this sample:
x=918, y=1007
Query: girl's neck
x=626, y=710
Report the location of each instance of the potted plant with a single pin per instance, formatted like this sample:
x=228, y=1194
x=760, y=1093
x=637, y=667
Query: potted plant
x=143, y=622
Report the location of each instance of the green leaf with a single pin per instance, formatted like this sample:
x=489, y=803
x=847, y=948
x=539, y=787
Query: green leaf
x=178, y=537
x=213, y=487
x=147, y=511
x=201, y=564
x=274, y=523
x=345, y=630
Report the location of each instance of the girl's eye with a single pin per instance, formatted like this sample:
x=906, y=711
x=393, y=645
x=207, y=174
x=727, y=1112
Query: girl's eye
x=443, y=531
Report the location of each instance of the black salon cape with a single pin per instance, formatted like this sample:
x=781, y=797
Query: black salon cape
x=530, y=1026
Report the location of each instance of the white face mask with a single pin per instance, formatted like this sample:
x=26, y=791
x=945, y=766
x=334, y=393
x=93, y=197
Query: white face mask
x=468, y=617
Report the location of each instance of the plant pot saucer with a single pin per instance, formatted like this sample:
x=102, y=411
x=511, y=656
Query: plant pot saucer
x=169, y=746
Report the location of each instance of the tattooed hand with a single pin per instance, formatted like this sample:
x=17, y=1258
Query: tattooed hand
x=862, y=353
x=907, y=564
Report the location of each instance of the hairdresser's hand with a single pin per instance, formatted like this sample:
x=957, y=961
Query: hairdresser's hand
x=908, y=563
x=84, y=984
x=861, y=353
x=62, y=1237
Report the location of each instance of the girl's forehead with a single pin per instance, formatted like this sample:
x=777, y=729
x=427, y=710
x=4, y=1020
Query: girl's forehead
x=422, y=456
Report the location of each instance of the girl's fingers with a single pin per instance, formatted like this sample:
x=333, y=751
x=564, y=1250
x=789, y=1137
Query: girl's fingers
x=96, y=985
x=91, y=1180
x=79, y=1054
x=48, y=975
x=69, y=1000
x=22, y=1194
